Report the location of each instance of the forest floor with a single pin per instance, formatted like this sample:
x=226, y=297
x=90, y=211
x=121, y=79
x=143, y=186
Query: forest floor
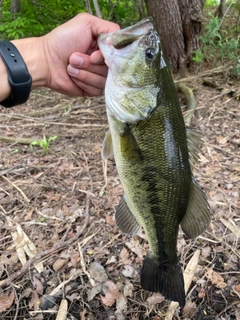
x=61, y=254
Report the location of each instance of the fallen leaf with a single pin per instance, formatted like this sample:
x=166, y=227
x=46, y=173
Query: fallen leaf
x=121, y=305
x=38, y=285
x=111, y=293
x=215, y=278
x=75, y=258
x=94, y=291
x=97, y=272
x=35, y=301
x=155, y=298
x=6, y=300
x=110, y=260
x=135, y=247
x=129, y=272
x=124, y=256
x=62, y=311
x=237, y=287
x=205, y=252
x=59, y=263
x=128, y=289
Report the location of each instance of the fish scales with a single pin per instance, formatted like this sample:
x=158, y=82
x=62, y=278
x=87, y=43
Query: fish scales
x=148, y=139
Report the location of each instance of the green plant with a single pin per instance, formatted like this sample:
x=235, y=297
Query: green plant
x=44, y=143
x=198, y=56
x=217, y=44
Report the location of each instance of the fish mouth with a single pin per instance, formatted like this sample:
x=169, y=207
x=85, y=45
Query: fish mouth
x=107, y=42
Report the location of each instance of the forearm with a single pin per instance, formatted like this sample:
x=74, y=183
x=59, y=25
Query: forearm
x=31, y=52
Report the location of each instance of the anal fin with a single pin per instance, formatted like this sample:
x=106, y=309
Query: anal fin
x=125, y=220
x=197, y=216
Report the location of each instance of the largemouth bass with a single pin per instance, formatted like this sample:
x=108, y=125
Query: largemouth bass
x=151, y=147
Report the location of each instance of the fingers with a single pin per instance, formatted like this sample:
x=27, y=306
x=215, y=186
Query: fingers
x=87, y=73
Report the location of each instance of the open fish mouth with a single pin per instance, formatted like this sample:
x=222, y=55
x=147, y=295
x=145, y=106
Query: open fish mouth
x=109, y=42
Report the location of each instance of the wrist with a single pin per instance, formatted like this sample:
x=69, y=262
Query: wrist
x=6, y=90
x=32, y=52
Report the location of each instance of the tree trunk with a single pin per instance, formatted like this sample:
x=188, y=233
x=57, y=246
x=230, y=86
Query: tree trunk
x=88, y=6
x=179, y=24
x=15, y=7
x=97, y=9
x=140, y=8
x=221, y=9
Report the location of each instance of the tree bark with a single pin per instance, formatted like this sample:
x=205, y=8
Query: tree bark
x=179, y=24
x=15, y=6
x=88, y=6
x=221, y=9
x=97, y=9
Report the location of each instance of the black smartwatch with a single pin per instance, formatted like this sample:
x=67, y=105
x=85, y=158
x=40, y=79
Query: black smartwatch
x=18, y=76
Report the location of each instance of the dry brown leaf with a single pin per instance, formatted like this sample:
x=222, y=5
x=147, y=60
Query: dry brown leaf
x=205, y=252
x=237, y=314
x=129, y=272
x=229, y=224
x=110, y=220
x=111, y=293
x=59, y=263
x=155, y=298
x=128, y=289
x=6, y=300
x=237, y=287
x=121, y=305
x=215, y=278
x=94, y=291
x=97, y=272
x=35, y=301
x=124, y=256
x=111, y=259
x=75, y=258
x=62, y=311
x=38, y=285
x=135, y=247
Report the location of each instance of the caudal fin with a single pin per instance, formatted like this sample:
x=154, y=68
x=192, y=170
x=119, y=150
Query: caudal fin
x=166, y=279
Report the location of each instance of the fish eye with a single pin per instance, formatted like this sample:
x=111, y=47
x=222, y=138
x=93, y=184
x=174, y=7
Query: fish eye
x=150, y=53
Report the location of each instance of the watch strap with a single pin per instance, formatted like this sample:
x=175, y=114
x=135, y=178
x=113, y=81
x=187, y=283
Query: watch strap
x=18, y=76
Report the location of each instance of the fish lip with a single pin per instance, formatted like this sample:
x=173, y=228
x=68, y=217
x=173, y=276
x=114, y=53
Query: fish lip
x=130, y=34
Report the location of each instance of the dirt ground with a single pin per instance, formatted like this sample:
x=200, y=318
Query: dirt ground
x=61, y=254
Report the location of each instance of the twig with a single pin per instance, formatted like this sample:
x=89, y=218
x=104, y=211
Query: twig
x=18, y=189
x=17, y=140
x=46, y=253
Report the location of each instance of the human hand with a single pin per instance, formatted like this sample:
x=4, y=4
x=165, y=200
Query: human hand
x=74, y=63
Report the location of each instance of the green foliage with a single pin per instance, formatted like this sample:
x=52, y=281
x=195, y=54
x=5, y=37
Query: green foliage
x=41, y=16
x=36, y=18
x=218, y=44
x=211, y=3
x=44, y=143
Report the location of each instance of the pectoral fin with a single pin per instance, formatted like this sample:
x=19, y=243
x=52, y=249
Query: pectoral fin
x=125, y=220
x=197, y=216
x=107, y=147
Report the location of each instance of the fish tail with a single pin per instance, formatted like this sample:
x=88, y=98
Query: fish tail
x=164, y=278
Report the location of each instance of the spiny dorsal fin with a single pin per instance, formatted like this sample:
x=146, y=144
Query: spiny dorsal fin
x=194, y=140
x=125, y=220
x=197, y=216
x=107, y=147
